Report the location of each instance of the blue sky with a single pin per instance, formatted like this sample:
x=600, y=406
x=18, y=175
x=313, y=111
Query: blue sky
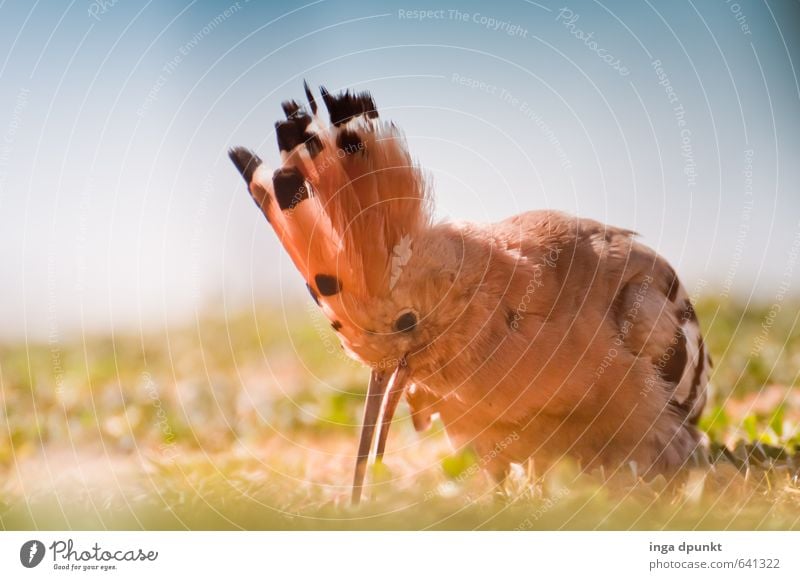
x=119, y=208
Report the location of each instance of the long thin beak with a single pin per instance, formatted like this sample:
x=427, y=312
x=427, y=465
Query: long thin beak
x=392, y=399
x=379, y=383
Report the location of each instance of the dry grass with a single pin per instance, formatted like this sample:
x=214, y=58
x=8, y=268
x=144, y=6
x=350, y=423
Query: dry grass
x=251, y=422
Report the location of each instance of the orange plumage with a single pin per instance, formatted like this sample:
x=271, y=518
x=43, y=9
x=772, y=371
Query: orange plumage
x=535, y=337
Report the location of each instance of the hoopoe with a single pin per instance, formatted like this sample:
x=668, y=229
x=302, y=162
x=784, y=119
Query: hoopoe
x=540, y=336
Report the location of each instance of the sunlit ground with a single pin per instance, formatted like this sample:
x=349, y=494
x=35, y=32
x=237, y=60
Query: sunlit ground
x=252, y=422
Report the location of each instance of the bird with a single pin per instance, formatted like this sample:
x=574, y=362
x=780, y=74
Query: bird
x=538, y=337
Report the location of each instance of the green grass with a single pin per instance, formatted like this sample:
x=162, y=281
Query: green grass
x=250, y=421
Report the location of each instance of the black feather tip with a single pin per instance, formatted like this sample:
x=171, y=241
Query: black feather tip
x=312, y=102
x=245, y=161
x=346, y=105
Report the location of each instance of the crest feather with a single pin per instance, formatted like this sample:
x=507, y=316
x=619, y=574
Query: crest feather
x=347, y=201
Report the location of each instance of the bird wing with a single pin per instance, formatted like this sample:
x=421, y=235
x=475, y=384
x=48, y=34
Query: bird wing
x=656, y=317
x=638, y=291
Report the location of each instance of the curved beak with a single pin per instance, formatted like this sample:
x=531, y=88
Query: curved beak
x=383, y=395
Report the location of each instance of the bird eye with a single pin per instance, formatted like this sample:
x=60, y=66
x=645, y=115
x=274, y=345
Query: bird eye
x=405, y=322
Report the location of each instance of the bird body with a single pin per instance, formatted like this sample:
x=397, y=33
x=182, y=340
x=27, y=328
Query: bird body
x=539, y=336
x=558, y=346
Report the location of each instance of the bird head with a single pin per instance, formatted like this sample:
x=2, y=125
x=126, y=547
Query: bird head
x=352, y=210
x=421, y=302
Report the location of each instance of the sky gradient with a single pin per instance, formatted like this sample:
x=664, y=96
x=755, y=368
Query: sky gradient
x=120, y=209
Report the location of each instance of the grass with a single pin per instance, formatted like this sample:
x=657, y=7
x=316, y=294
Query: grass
x=250, y=421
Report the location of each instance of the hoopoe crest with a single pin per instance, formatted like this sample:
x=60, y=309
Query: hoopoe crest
x=535, y=337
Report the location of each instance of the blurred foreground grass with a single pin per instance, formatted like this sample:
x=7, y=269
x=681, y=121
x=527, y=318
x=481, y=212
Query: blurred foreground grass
x=251, y=422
